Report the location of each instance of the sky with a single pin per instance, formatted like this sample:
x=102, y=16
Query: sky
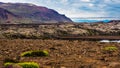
x=79, y=8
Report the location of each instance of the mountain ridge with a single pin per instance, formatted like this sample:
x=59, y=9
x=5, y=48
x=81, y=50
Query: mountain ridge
x=33, y=13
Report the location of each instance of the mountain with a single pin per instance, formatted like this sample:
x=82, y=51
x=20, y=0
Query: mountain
x=30, y=13
x=114, y=21
x=6, y=16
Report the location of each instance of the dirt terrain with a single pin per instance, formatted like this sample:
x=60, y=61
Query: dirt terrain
x=62, y=53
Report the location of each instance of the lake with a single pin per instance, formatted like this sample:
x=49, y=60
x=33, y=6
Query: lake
x=89, y=20
x=93, y=19
x=108, y=41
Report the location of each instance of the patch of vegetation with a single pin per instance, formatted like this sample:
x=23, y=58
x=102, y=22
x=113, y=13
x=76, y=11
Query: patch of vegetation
x=92, y=32
x=61, y=33
x=29, y=65
x=14, y=35
x=7, y=64
x=23, y=64
x=111, y=48
x=35, y=54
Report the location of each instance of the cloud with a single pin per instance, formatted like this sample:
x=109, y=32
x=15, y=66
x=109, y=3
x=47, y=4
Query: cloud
x=79, y=8
x=64, y=1
x=85, y=0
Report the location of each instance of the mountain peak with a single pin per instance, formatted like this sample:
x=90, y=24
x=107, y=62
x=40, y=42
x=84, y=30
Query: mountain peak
x=34, y=13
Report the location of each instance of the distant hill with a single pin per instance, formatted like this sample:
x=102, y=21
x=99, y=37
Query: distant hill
x=29, y=13
x=114, y=21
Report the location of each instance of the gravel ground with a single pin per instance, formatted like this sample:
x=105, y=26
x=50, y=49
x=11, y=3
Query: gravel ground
x=63, y=53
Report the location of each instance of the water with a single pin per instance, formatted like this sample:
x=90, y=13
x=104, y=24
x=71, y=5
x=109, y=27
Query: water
x=90, y=20
x=108, y=41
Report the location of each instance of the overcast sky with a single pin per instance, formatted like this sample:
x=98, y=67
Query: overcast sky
x=79, y=8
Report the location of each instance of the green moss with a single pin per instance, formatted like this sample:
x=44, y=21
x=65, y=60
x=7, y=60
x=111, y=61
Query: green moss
x=35, y=54
x=23, y=65
x=29, y=65
x=111, y=48
x=8, y=64
x=28, y=53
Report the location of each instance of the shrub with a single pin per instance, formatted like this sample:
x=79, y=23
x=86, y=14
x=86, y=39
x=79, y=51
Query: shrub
x=110, y=48
x=35, y=54
x=23, y=65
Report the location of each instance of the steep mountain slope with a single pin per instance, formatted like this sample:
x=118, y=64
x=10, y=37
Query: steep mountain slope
x=33, y=13
x=6, y=16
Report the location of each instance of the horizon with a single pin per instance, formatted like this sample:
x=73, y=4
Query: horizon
x=78, y=8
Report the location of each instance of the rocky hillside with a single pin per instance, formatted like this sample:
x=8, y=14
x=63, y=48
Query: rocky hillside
x=6, y=16
x=30, y=13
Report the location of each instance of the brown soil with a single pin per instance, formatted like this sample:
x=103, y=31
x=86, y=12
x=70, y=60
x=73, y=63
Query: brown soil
x=63, y=53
